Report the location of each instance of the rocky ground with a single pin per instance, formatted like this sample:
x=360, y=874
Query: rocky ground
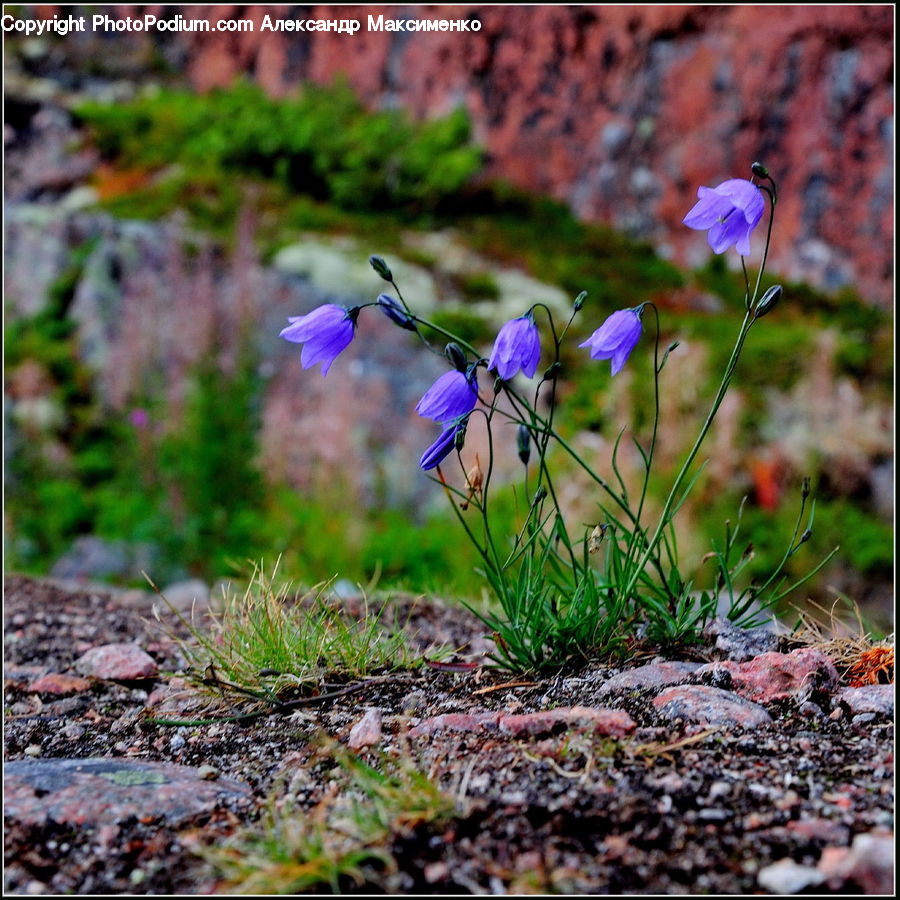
x=746, y=767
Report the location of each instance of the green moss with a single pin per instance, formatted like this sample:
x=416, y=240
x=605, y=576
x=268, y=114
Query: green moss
x=477, y=286
x=469, y=326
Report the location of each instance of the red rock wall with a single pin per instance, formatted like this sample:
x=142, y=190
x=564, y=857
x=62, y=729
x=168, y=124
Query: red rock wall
x=622, y=111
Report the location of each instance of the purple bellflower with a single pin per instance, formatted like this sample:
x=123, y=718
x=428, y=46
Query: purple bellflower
x=324, y=333
x=730, y=212
x=616, y=337
x=441, y=448
x=517, y=348
x=452, y=396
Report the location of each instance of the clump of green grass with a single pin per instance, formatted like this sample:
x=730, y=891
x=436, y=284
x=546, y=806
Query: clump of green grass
x=267, y=643
x=345, y=841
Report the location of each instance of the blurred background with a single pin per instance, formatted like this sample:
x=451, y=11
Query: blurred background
x=171, y=197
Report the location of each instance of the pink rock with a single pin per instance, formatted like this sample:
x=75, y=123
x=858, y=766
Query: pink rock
x=710, y=706
x=868, y=863
x=612, y=722
x=485, y=721
x=776, y=676
x=823, y=830
x=117, y=662
x=367, y=731
x=601, y=721
x=655, y=675
x=55, y=683
x=874, y=698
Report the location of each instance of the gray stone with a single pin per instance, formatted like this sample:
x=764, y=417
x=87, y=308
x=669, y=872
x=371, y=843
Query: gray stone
x=91, y=557
x=871, y=698
x=655, y=675
x=710, y=706
x=96, y=792
x=188, y=595
x=740, y=644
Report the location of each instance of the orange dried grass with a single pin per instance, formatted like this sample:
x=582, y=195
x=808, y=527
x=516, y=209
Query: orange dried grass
x=874, y=666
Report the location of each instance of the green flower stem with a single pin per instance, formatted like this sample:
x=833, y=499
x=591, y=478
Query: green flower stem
x=746, y=325
x=665, y=517
x=648, y=459
x=544, y=472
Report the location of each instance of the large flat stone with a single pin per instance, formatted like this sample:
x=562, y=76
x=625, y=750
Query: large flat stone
x=104, y=791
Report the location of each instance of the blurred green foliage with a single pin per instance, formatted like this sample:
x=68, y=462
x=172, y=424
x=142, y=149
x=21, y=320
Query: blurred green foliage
x=320, y=142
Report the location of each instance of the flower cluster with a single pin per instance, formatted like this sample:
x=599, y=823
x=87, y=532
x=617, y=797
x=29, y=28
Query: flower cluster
x=728, y=212
x=559, y=601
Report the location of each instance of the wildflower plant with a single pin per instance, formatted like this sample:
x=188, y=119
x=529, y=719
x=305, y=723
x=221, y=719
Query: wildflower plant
x=564, y=594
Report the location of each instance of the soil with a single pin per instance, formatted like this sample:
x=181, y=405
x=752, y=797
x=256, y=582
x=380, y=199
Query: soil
x=673, y=807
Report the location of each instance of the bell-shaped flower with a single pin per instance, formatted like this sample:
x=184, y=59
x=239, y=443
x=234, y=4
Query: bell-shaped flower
x=729, y=212
x=616, y=337
x=452, y=396
x=324, y=333
x=516, y=349
x=441, y=448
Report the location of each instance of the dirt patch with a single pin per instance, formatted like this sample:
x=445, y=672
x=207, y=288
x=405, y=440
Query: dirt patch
x=555, y=803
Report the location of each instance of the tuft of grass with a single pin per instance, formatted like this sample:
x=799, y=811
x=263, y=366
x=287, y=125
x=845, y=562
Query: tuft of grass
x=267, y=642
x=345, y=841
x=860, y=657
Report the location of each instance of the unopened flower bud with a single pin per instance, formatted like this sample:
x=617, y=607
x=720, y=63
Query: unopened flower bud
x=540, y=495
x=806, y=536
x=579, y=301
x=459, y=438
x=523, y=444
x=552, y=371
x=768, y=300
x=673, y=346
x=381, y=267
x=759, y=170
x=804, y=489
x=395, y=312
x=457, y=357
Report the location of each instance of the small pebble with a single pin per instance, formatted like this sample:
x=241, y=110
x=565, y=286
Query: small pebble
x=33, y=750
x=719, y=789
x=208, y=772
x=787, y=877
x=862, y=719
x=811, y=710
x=176, y=742
x=73, y=732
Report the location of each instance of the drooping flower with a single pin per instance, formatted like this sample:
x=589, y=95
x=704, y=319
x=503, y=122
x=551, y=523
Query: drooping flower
x=441, y=448
x=616, y=337
x=517, y=348
x=730, y=212
x=324, y=333
x=452, y=396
